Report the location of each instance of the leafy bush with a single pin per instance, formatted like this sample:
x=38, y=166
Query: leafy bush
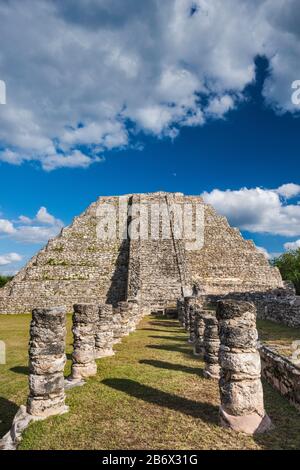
x=289, y=267
x=4, y=280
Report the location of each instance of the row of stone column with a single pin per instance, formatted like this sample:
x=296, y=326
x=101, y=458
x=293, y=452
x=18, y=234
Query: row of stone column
x=227, y=340
x=96, y=328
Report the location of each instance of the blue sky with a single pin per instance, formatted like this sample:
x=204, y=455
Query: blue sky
x=233, y=136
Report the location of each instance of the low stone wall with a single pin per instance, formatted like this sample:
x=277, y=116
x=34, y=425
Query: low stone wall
x=277, y=305
x=281, y=374
x=280, y=312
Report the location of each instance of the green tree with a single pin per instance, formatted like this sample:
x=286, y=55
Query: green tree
x=289, y=267
x=4, y=280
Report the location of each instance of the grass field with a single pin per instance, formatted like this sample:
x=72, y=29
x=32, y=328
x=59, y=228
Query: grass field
x=150, y=395
x=279, y=337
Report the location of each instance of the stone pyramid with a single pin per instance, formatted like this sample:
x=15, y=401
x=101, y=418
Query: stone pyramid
x=77, y=266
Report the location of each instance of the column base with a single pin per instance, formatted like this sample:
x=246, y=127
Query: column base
x=83, y=371
x=211, y=375
x=197, y=353
x=249, y=424
x=43, y=408
x=21, y=422
x=72, y=383
x=104, y=353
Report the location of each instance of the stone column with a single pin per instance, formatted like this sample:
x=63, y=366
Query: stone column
x=117, y=325
x=134, y=315
x=187, y=314
x=47, y=360
x=180, y=310
x=104, y=337
x=242, y=404
x=189, y=303
x=199, y=333
x=124, y=312
x=85, y=317
x=192, y=315
x=211, y=345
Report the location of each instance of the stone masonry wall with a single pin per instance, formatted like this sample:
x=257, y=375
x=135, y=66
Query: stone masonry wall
x=279, y=305
x=154, y=276
x=281, y=374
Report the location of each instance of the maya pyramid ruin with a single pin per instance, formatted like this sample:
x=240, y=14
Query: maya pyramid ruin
x=77, y=266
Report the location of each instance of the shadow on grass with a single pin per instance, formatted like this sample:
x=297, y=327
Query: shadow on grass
x=8, y=410
x=20, y=370
x=204, y=411
x=170, y=347
x=166, y=323
x=170, y=366
x=171, y=338
x=157, y=330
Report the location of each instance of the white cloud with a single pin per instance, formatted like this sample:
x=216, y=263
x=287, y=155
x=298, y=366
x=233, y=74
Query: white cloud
x=24, y=219
x=86, y=69
x=76, y=159
x=9, y=258
x=292, y=245
x=258, y=210
x=217, y=107
x=44, y=217
x=36, y=234
x=6, y=226
x=289, y=190
x=36, y=230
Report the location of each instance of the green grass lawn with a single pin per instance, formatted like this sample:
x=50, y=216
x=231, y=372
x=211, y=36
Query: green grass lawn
x=277, y=336
x=150, y=395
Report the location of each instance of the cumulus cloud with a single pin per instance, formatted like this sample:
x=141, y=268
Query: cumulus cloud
x=36, y=230
x=292, y=245
x=85, y=76
x=9, y=258
x=289, y=190
x=259, y=210
x=6, y=226
x=218, y=107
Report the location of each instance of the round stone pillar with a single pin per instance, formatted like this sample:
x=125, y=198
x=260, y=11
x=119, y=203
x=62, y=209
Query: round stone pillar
x=211, y=345
x=187, y=301
x=47, y=360
x=180, y=310
x=199, y=333
x=134, y=315
x=242, y=403
x=117, y=325
x=104, y=337
x=85, y=318
x=192, y=315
